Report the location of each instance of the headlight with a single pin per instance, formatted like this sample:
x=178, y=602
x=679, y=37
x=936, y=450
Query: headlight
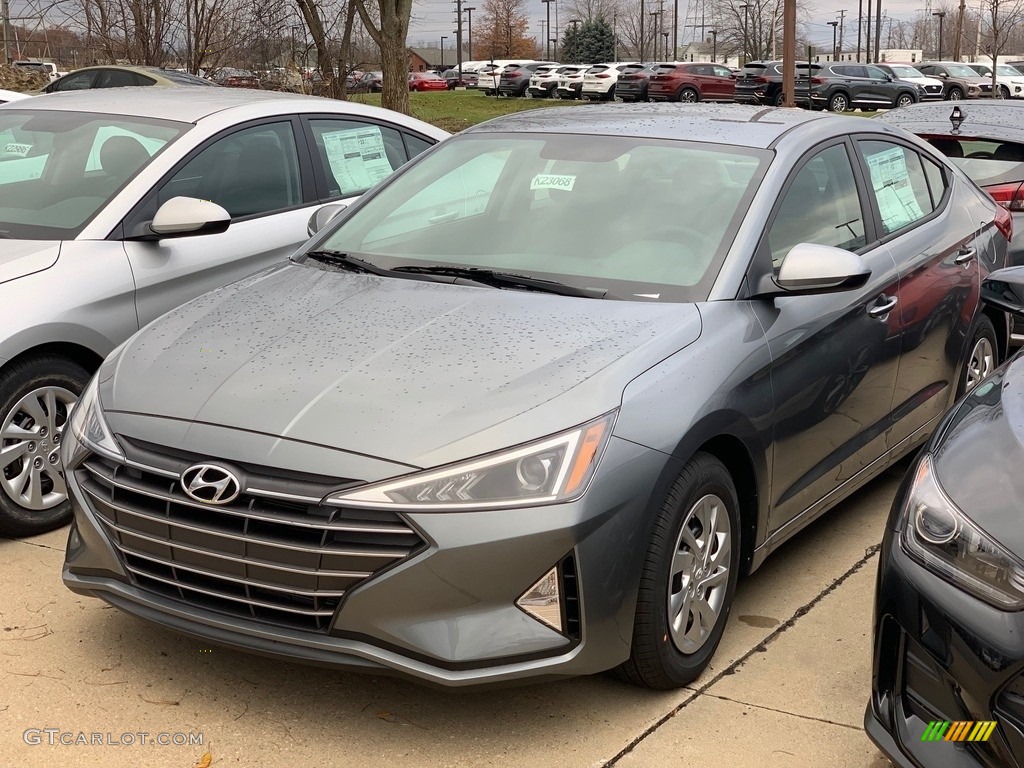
x=940, y=537
x=554, y=469
x=88, y=425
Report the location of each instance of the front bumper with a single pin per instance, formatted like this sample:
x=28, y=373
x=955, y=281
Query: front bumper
x=446, y=614
x=940, y=654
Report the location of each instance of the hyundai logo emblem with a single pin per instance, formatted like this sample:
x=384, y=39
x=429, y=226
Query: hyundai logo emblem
x=210, y=484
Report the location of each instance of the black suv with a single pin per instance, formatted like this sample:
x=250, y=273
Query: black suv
x=842, y=87
x=760, y=82
x=515, y=80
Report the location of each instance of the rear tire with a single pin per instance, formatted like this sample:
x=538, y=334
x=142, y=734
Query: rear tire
x=688, y=579
x=27, y=390
x=839, y=102
x=955, y=94
x=688, y=95
x=1004, y=92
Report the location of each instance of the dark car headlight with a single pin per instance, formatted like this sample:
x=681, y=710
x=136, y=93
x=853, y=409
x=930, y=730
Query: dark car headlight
x=90, y=428
x=942, y=538
x=553, y=469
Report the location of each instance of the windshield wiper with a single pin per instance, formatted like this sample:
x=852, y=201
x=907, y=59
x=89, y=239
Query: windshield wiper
x=350, y=263
x=503, y=280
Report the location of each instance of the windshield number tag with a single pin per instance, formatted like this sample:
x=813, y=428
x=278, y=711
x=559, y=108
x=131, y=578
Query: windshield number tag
x=547, y=181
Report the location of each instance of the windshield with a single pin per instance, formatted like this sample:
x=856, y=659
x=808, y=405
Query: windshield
x=903, y=71
x=960, y=70
x=615, y=214
x=184, y=78
x=1007, y=71
x=57, y=169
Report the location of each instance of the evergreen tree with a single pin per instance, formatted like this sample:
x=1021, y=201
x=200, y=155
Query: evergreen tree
x=595, y=41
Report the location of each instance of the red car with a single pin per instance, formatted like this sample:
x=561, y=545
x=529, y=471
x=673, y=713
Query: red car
x=236, y=78
x=427, y=81
x=692, y=82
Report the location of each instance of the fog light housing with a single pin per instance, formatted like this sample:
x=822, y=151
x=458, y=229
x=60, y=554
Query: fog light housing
x=543, y=600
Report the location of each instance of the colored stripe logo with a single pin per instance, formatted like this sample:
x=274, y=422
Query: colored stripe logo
x=960, y=730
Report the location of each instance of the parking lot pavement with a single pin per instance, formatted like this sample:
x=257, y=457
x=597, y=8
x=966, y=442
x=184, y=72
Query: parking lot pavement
x=787, y=686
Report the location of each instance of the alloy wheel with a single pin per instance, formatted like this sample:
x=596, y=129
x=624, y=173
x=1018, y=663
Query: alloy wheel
x=31, y=472
x=904, y=101
x=688, y=95
x=838, y=103
x=981, y=362
x=699, y=574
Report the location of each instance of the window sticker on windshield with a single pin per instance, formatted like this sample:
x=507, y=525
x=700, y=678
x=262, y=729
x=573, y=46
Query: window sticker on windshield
x=21, y=150
x=890, y=178
x=549, y=181
x=357, y=158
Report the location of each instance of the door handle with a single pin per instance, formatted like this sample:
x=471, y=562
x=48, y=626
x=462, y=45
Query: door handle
x=880, y=310
x=443, y=217
x=965, y=255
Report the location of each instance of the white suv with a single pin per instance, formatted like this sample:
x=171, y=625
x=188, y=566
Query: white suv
x=599, y=81
x=546, y=79
x=1008, y=79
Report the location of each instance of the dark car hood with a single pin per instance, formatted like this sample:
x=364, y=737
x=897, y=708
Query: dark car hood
x=410, y=371
x=981, y=453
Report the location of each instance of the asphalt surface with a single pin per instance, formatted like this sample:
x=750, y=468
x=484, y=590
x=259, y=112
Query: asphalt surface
x=787, y=687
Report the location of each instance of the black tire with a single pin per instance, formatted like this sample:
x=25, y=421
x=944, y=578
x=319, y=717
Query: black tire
x=905, y=100
x=1004, y=92
x=972, y=370
x=610, y=96
x=955, y=93
x=16, y=381
x=655, y=660
x=838, y=102
x=688, y=94
x=779, y=99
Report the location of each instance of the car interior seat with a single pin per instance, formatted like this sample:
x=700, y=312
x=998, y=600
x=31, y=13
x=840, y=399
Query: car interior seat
x=121, y=157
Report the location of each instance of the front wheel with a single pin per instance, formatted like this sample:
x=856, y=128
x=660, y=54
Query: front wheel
x=904, y=100
x=1004, y=92
x=982, y=357
x=688, y=578
x=36, y=398
x=955, y=94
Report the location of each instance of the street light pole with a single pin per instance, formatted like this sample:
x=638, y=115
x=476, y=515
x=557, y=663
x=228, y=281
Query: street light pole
x=654, y=21
x=469, y=22
x=640, y=52
x=714, y=44
x=941, y=15
x=443, y=38
x=835, y=26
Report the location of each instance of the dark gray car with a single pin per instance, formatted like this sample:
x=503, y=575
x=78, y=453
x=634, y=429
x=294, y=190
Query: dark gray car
x=487, y=426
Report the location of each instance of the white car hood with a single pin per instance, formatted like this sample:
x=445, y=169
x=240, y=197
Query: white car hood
x=19, y=258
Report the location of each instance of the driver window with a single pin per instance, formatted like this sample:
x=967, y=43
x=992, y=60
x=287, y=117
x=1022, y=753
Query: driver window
x=821, y=206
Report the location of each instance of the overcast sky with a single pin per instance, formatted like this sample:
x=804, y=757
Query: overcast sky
x=433, y=18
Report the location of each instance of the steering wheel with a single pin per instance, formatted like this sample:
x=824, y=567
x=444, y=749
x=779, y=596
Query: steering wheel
x=979, y=155
x=684, y=236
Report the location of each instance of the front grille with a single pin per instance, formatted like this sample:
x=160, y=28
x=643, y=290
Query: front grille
x=277, y=558
x=933, y=89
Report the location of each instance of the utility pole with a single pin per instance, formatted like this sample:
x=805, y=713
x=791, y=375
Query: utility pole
x=746, y=41
x=878, y=30
x=443, y=38
x=675, y=30
x=5, y=13
x=860, y=21
x=714, y=45
x=458, y=38
x=640, y=52
x=842, y=20
x=654, y=21
x=959, y=30
x=867, y=36
x=547, y=6
x=788, y=52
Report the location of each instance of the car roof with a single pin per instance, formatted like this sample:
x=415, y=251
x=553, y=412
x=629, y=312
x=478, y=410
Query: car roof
x=734, y=124
x=997, y=119
x=188, y=105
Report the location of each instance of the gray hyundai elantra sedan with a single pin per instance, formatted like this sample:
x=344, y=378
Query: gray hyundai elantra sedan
x=531, y=406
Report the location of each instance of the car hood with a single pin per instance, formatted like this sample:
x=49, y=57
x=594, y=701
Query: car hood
x=404, y=370
x=979, y=456
x=19, y=258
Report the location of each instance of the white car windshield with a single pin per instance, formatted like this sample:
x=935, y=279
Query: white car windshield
x=57, y=169
x=617, y=214
x=904, y=72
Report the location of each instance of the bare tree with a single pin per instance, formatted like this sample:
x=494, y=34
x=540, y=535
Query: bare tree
x=1001, y=18
x=389, y=30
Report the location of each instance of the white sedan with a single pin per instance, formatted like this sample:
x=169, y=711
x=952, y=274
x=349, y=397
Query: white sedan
x=118, y=205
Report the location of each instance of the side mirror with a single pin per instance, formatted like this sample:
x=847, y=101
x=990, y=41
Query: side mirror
x=1004, y=289
x=889, y=78
x=812, y=269
x=322, y=217
x=187, y=216
x=942, y=75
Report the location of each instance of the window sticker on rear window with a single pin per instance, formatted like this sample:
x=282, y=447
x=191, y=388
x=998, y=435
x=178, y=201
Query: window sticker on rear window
x=549, y=181
x=890, y=178
x=357, y=158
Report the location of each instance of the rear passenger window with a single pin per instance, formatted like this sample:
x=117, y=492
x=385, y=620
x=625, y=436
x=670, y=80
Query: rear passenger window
x=898, y=184
x=356, y=155
x=936, y=181
x=414, y=145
